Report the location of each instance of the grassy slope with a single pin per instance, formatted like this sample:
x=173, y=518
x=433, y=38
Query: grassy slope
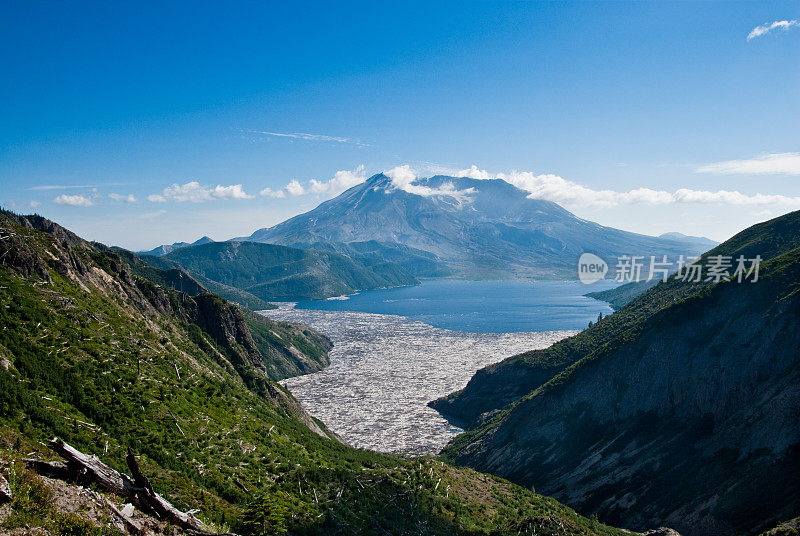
x=87, y=359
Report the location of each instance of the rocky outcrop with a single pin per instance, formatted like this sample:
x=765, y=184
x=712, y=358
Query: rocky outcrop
x=226, y=326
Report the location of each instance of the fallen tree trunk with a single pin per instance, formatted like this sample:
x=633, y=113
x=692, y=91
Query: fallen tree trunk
x=5, y=491
x=60, y=470
x=137, y=490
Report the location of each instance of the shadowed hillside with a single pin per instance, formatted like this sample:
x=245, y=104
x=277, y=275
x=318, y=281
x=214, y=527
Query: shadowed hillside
x=679, y=409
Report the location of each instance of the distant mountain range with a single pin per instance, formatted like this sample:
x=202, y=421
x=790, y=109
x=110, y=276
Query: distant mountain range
x=680, y=409
x=478, y=228
x=163, y=249
x=699, y=240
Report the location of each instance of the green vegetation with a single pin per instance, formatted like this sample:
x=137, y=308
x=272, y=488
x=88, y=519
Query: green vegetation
x=288, y=349
x=417, y=262
x=622, y=295
x=107, y=359
x=281, y=273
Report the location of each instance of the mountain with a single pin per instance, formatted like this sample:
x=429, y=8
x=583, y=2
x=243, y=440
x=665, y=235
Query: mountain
x=702, y=241
x=480, y=228
x=417, y=262
x=108, y=360
x=153, y=267
x=163, y=249
x=281, y=273
x=680, y=409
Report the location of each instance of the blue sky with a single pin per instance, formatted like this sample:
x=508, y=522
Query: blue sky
x=643, y=116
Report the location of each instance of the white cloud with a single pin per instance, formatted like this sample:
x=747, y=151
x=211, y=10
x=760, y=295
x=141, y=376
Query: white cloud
x=35, y=204
x=341, y=181
x=559, y=190
x=195, y=193
x=234, y=191
x=768, y=164
x=126, y=198
x=404, y=178
x=294, y=188
x=310, y=137
x=279, y=194
x=73, y=200
x=764, y=29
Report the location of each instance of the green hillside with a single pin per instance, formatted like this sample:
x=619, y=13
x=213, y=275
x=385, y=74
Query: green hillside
x=280, y=273
x=106, y=359
x=417, y=262
x=622, y=295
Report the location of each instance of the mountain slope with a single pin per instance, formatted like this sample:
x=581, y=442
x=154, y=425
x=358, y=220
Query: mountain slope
x=281, y=273
x=481, y=228
x=702, y=241
x=163, y=249
x=680, y=409
x=107, y=359
x=417, y=262
x=622, y=295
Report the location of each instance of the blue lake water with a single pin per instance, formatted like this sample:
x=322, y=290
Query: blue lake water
x=482, y=306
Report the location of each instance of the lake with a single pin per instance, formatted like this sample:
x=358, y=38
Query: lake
x=481, y=306
x=397, y=349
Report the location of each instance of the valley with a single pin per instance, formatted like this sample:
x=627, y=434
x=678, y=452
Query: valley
x=400, y=268
x=384, y=370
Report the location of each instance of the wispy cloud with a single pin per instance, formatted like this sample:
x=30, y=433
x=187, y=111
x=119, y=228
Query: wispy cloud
x=61, y=187
x=120, y=197
x=35, y=204
x=74, y=200
x=764, y=29
x=768, y=164
x=310, y=137
x=75, y=186
x=559, y=190
x=195, y=193
x=151, y=215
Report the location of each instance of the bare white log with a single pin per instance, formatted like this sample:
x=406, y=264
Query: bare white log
x=136, y=488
